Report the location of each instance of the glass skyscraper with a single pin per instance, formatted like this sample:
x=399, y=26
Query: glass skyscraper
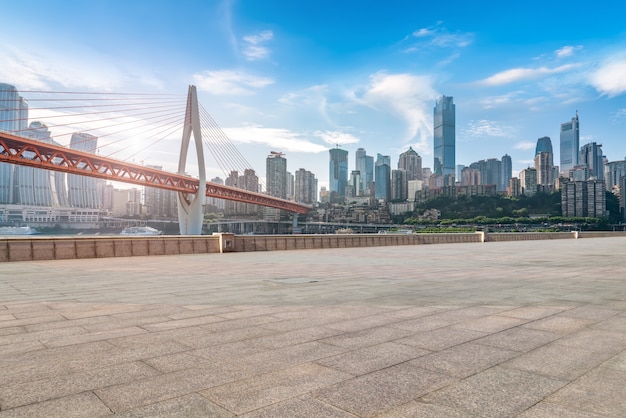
x=338, y=172
x=82, y=190
x=14, y=120
x=444, y=136
x=570, y=144
x=592, y=157
x=507, y=171
x=382, y=178
x=544, y=144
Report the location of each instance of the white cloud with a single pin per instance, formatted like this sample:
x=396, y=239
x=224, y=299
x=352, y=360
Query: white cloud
x=307, y=96
x=439, y=36
x=567, y=51
x=230, y=83
x=521, y=74
x=482, y=128
x=336, y=137
x=255, y=48
x=40, y=70
x=526, y=145
x=610, y=78
x=621, y=113
x=278, y=139
x=409, y=97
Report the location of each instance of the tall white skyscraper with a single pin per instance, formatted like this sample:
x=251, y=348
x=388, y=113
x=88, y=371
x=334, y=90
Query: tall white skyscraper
x=82, y=190
x=14, y=120
x=570, y=144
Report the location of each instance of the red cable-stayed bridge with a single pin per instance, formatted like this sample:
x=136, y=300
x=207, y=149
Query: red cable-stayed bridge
x=16, y=148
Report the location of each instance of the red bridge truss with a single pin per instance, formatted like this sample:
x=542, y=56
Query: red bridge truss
x=30, y=153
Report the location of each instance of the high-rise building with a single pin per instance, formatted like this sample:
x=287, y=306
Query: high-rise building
x=411, y=162
x=338, y=173
x=355, y=183
x=369, y=174
x=399, y=185
x=458, y=174
x=213, y=201
x=360, y=165
x=276, y=175
x=591, y=156
x=276, y=180
x=613, y=172
x=528, y=181
x=305, y=187
x=160, y=203
x=382, y=178
x=82, y=190
x=444, y=136
x=543, y=165
x=14, y=120
x=507, y=170
x=544, y=144
x=583, y=198
x=33, y=186
x=490, y=172
x=470, y=177
x=570, y=144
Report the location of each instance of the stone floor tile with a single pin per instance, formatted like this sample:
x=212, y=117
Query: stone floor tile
x=533, y=312
x=231, y=352
x=380, y=391
x=372, y=358
x=441, y=338
x=422, y=410
x=12, y=396
x=492, y=323
x=281, y=358
x=299, y=336
x=82, y=405
x=267, y=389
x=189, y=406
x=559, y=361
x=367, y=337
x=301, y=407
x=19, y=348
x=519, y=339
x=464, y=360
x=560, y=324
x=140, y=393
x=545, y=409
x=601, y=392
x=62, y=341
x=496, y=392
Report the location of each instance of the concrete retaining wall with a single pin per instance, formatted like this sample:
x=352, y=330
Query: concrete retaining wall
x=58, y=248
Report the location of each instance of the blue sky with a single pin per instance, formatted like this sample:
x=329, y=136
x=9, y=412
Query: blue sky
x=301, y=76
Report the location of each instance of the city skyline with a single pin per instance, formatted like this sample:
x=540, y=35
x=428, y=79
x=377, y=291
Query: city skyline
x=300, y=78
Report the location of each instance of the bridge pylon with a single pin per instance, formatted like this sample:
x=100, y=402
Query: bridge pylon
x=190, y=214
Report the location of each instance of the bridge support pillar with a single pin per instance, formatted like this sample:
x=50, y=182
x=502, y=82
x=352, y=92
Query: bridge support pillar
x=190, y=214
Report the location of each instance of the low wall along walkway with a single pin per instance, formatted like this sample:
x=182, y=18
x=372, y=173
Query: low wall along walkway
x=57, y=248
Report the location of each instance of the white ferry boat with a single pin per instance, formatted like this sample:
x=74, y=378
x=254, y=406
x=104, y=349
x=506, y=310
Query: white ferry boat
x=136, y=231
x=17, y=230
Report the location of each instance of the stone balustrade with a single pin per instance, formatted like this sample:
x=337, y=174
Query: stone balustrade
x=59, y=248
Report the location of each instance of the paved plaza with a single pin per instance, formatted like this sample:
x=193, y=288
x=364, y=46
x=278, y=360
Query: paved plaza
x=526, y=328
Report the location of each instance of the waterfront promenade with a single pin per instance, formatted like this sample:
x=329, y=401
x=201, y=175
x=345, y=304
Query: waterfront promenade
x=496, y=329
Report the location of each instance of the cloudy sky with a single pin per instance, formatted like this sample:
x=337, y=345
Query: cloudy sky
x=301, y=76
